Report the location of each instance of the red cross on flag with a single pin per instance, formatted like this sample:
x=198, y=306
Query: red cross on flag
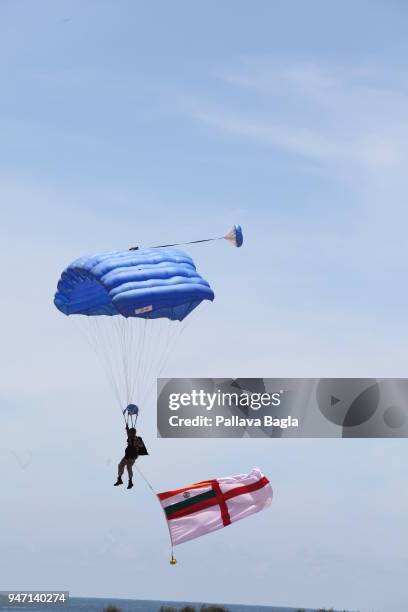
x=209, y=505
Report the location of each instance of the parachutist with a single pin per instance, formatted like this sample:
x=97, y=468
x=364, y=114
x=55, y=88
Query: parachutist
x=135, y=447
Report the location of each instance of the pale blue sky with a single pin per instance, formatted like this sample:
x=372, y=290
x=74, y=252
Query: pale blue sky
x=142, y=122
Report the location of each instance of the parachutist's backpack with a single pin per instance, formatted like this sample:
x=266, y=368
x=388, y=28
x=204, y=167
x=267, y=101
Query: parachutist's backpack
x=141, y=448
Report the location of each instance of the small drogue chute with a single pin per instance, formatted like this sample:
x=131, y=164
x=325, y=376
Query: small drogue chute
x=234, y=237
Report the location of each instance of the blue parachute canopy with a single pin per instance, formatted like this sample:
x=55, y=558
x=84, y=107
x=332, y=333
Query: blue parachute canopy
x=147, y=283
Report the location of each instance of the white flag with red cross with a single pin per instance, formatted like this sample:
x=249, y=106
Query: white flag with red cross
x=209, y=505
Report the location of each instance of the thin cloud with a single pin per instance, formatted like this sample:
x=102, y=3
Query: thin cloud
x=353, y=115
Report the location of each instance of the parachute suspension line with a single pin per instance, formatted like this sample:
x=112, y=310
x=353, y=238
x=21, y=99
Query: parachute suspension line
x=135, y=332
x=147, y=355
x=162, y=246
x=142, y=327
x=151, y=362
x=110, y=339
x=107, y=344
x=133, y=353
x=105, y=348
x=127, y=337
x=174, y=329
x=122, y=352
x=125, y=353
x=96, y=331
x=158, y=341
x=93, y=340
x=124, y=335
x=173, y=560
x=106, y=339
x=95, y=337
x=130, y=351
x=159, y=338
x=174, y=333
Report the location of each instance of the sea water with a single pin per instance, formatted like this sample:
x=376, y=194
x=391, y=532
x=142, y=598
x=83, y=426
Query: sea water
x=82, y=604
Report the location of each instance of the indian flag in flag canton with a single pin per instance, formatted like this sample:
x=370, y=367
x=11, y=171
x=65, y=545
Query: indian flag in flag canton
x=213, y=504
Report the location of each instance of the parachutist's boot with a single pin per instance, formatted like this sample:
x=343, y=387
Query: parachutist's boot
x=118, y=482
x=130, y=485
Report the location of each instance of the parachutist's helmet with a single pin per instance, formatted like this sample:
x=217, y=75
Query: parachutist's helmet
x=132, y=430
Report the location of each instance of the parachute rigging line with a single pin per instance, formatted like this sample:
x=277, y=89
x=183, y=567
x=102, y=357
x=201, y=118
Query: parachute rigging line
x=173, y=560
x=234, y=236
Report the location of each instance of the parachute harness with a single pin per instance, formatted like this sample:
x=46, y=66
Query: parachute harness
x=132, y=412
